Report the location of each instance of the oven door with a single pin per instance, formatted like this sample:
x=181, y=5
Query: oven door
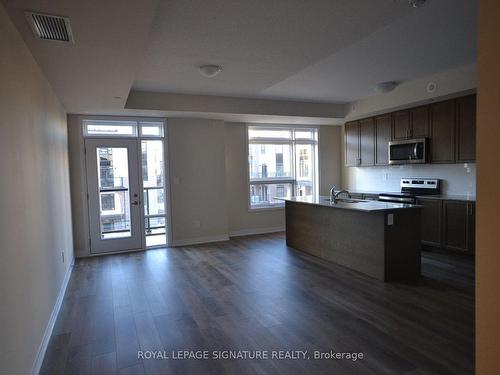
x=409, y=151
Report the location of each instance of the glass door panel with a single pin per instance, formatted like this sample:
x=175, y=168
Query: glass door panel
x=113, y=195
x=114, y=192
x=153, y=181
x=304, y=169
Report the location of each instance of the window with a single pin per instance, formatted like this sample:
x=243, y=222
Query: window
x=92, y=128
x=282, y=161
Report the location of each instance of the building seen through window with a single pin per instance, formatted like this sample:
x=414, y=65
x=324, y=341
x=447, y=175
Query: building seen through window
x=281, y=162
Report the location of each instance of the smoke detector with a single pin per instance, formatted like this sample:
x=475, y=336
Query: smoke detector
x=50, y=27
x=210, y=71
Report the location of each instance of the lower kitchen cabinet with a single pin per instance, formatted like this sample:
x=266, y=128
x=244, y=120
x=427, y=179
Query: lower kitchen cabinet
x=431, y=221
x=458, y=226
x=448, y=224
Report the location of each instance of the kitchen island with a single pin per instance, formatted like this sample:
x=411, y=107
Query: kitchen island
x=379, y=239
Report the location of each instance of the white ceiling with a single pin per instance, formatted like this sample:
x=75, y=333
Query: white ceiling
x=318, y=50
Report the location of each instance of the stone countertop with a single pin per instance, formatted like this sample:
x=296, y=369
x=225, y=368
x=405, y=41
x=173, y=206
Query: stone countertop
x=359, y=205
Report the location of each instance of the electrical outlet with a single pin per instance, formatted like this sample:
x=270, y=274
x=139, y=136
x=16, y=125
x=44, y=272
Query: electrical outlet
x=62, y=255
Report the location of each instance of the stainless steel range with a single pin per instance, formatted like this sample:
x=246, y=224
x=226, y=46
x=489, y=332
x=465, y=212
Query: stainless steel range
x=411, y=188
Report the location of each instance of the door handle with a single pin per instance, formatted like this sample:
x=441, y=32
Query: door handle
x=136, y=203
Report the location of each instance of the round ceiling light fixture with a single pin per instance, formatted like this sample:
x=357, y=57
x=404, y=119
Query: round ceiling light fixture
x=210, y=70
x=388, y=86
x=416, y=3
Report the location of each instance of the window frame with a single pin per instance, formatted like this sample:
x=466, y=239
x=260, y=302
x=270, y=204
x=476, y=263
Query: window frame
x=292, y=142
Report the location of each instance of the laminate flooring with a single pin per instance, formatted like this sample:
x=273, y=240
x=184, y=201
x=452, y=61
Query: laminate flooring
x=254, y=293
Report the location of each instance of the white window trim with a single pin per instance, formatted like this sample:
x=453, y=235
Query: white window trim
x=292, y=180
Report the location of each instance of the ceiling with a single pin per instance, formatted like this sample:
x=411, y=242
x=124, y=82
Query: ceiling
x=310, y=51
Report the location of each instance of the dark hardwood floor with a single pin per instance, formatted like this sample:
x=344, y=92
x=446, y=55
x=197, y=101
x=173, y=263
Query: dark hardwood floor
x=254, y=293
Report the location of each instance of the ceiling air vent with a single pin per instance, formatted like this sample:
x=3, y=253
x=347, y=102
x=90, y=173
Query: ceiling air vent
x=49, y=27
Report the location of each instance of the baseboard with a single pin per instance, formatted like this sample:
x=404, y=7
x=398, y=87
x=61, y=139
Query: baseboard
x=199, y=240
x=249, y=232
x=37, y=364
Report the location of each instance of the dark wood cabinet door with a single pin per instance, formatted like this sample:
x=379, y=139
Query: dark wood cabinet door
x=419, y=122
x=472, y=228
x=431, y=221
x=400, y=125
x=382, y=138
x=367, y=142
x=351, y=144
x=456, y=225
x=443, y=132
x=466, y=129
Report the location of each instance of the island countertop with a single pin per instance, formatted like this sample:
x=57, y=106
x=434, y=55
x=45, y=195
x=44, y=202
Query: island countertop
x=360, y=205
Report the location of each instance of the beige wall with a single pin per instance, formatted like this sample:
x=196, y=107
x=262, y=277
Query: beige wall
x=488, y=178
x=78, y=183
x=240, y=220
x=197, y=180
x=330, y=158
x=35, y=214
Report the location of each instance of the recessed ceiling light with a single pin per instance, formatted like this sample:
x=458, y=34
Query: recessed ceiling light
x=386, y=86
x=210, y=70
x=416, y=3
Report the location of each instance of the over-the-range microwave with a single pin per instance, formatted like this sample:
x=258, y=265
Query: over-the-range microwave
x=409, y=151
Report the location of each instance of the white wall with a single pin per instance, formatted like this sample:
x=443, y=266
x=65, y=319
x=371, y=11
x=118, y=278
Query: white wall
x=35, y=216
x=456, y=178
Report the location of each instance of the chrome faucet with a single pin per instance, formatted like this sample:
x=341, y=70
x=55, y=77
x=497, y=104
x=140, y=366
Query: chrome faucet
x=332, y=193
x=336, y=195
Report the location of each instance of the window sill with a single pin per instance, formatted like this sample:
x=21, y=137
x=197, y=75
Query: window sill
x=267, y=208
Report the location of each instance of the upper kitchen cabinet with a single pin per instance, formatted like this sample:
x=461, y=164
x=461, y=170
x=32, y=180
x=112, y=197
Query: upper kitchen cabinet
x=352, y=144
x=466, y=129
x=412, y=123
x=367, y=142
x=419, y=122
x=443, y=132
x=382, y=138
x=450, y=126
x=401, y=125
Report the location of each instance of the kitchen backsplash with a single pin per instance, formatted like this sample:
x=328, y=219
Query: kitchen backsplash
x=456, y=178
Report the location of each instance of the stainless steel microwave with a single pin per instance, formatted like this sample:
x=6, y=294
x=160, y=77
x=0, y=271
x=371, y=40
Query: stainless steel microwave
x=409, y=151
